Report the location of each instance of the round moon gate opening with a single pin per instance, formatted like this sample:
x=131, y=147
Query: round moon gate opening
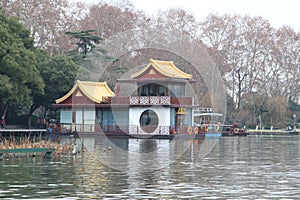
x=149, y=121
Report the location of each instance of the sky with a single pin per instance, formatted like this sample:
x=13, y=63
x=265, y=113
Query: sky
x=278, y=12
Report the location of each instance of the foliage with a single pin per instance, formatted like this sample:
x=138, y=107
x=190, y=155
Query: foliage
x=88, y=55
x=86, y=42
x=19, y=77
x=59, y=73
x=294, y=110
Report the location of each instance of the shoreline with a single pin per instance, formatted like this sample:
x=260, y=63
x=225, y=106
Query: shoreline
x=273, y=132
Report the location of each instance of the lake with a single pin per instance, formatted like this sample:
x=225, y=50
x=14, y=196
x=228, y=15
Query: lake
x=251, y=167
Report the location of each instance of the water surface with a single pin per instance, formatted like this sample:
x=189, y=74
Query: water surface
x=237, y=168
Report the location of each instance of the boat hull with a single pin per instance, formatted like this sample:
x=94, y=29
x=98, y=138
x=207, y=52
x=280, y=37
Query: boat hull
x=213, y=135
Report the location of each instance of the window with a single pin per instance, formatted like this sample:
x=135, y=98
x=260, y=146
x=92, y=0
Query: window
x=66, y=116
x=89, y=117
x=149, y=121
x=152, y=90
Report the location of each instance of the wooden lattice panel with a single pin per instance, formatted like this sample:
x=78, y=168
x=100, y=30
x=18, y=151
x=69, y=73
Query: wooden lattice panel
x=132, y=129
x=144, y=100
x=165, y=100
x=164, y=130
x=154, y=100
x=134, y=100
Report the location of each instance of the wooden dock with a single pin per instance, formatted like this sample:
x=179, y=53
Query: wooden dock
x=22, y=130
x=32, y=142
x=46, y=151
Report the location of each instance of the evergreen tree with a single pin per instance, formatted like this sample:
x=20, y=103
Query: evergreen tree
x=59, y=73
x=19, y=77
x=87, y=53
x=86, y=42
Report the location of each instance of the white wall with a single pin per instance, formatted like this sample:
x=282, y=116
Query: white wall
x=163, y=114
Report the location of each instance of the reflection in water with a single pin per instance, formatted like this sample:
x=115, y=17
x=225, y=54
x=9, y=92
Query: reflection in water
x=238, y=167
x=148, y=145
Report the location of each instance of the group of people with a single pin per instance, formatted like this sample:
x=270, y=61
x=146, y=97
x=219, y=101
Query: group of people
x=41, y=123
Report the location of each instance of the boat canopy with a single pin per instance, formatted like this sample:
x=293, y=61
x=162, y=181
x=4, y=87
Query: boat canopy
x=207, y=114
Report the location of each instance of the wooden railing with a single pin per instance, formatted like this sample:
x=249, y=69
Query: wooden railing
x=114, y=129
x=149, y=100
x=134, y=129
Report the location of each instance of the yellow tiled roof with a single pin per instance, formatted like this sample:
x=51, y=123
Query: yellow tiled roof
x=166, y=68
x=93, y=90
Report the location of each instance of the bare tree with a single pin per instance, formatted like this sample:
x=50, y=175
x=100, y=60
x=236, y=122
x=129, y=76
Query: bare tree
x=47, y=21
x=176, y=19
x=108, y=20
x=244, y=45
x=286, y=51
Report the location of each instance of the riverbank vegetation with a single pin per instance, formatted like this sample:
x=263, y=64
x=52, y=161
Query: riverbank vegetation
x=259, y=64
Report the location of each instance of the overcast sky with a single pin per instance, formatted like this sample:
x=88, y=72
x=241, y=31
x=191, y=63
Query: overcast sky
x=278, y=12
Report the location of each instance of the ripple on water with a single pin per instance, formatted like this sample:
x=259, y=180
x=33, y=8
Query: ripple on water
x=65, y=184
x=10, y=166
x=211, y=197
x=52, y=185
x=5, y=191
x=42, y=192
x=18, y=186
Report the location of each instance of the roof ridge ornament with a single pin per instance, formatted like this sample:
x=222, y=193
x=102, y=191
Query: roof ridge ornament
x=166, y=68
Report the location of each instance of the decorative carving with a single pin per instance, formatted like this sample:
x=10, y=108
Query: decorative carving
x=154, y=100
x=78, y=94
x=133, y=129
x=134, y=100
x=152, y=71
x=144, y=100
x=164, y=130
x=165, y=100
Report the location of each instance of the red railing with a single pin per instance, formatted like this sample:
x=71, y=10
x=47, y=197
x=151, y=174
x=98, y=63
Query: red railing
x=182, y=100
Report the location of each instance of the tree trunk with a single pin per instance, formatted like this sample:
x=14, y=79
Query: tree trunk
x=29, y=121
x=32, y=109
x=5, y=109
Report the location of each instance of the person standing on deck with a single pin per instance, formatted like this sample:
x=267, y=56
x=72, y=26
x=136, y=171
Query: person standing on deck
x=39, y=121
x=2, y=122
x=44, y=123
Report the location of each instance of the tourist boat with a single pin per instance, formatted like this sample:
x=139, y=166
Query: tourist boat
x=209, y=122
x=152, y=103
x=234, y=130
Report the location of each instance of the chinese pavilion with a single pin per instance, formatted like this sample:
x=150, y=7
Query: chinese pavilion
x=152, y=102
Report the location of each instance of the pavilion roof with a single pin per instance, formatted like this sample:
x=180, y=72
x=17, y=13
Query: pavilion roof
x=166, y=68
x=95, y=91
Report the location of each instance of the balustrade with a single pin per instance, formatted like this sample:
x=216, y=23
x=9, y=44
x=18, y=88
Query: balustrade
x=151, y=100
